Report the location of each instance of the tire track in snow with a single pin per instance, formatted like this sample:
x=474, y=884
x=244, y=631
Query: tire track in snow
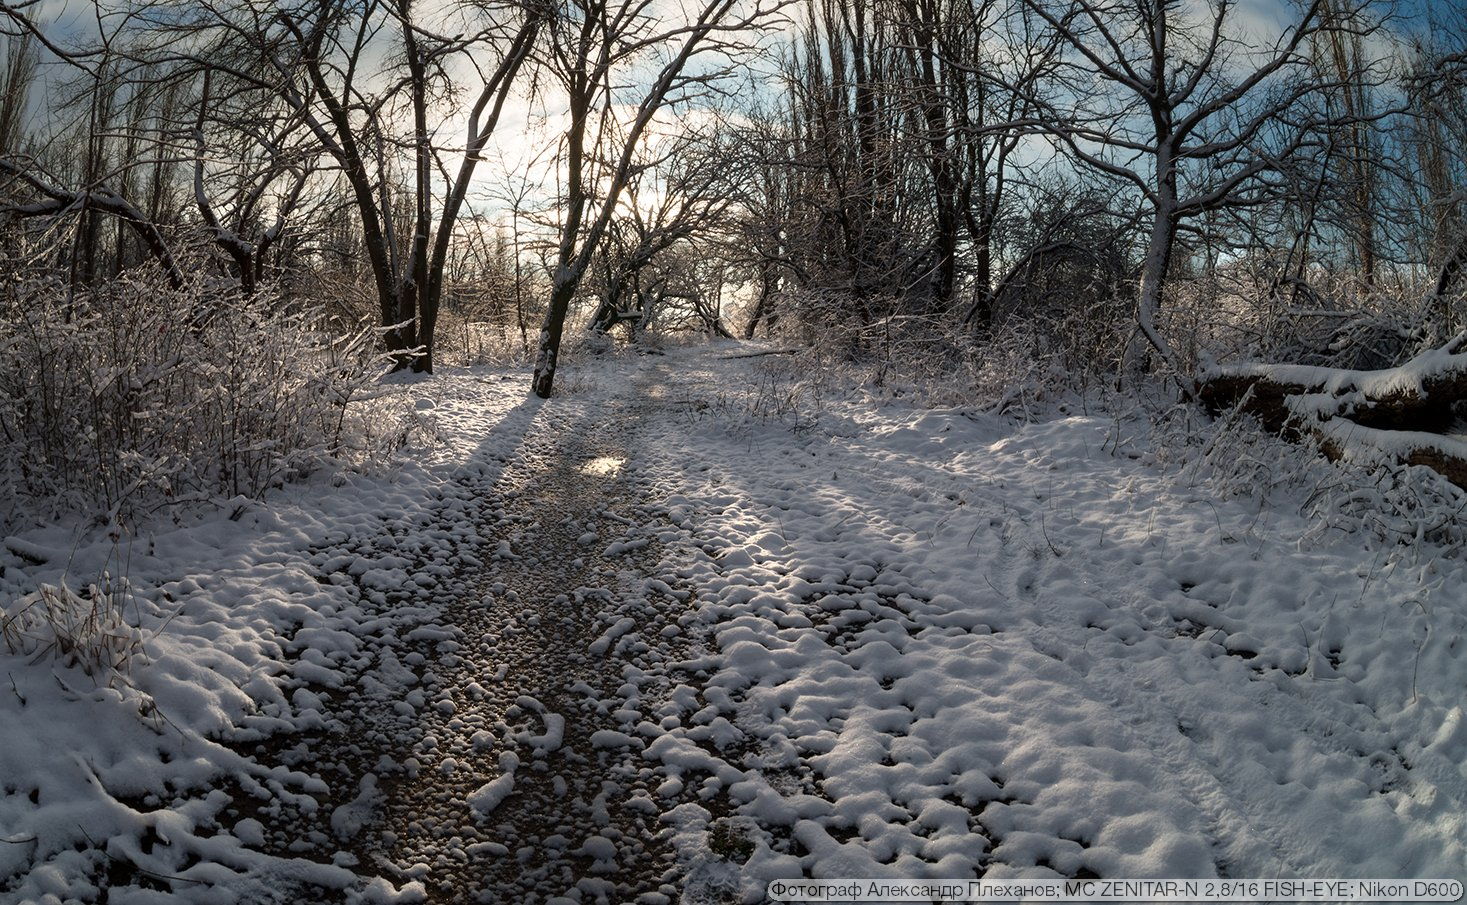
x=1249, y=824
x=1185, y=777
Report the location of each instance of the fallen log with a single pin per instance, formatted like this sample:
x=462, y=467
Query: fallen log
x=1343, y=439
x=1419, y=395
x=1390, y=415
x=761, y=353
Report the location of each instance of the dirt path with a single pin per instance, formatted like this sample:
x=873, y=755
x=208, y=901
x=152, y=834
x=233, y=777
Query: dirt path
x=494, y=751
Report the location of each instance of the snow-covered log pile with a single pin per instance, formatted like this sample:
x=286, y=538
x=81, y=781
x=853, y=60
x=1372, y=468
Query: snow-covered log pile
x=1402, y=414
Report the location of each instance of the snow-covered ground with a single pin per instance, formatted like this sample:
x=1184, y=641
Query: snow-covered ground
x=857, y=639
x=968, y=645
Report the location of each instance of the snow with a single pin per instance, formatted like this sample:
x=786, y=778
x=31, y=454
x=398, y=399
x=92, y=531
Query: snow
x=1406, y=379
x=1004, y=647
x=492, y=793
x=348, y=819
x=613, y=632
x=882, y=640
x=554, y=734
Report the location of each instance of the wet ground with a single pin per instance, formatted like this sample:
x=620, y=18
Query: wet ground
x=493, y=753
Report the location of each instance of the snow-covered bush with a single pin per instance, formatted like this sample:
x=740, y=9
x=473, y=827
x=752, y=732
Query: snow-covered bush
x=1248, y=312
x=86, y=629
x=131, y=397
x=1019, y=365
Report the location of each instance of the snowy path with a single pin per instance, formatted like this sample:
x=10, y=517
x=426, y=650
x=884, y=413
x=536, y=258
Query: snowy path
x=1008, y=650
x=665, y=638
x=502, y=746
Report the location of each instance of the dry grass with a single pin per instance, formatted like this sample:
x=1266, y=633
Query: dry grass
x=86, y=630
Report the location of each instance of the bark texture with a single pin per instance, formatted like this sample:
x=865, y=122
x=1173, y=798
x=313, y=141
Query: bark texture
x=1398, y=412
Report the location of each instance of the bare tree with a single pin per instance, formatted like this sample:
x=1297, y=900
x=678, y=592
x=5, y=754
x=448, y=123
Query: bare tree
x=54, y=200
x=89, y=174
x=679, y=197
x=264, y=166
x=759, y=234
x=1194, y=117
x=321, y=60
x=896, y=151
x=592, y=43
x=18, y=66
x=1437, y=88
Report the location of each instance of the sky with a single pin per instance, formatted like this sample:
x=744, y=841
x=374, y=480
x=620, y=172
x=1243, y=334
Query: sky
x=528, y=130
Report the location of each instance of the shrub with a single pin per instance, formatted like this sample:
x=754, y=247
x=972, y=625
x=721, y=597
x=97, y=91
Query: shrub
x=85, y=629
x=130, y=397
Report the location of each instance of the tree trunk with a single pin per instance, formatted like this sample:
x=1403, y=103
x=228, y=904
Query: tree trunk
x=980, y=231
x=761, y=307
x=1450, y=272
x=1159, y=255
x=546, y=358
x=417, y=303
x=495, y=90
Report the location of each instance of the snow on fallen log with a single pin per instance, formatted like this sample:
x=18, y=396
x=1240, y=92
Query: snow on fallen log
x=1417, y=395
x=1341, y=438
x=1390, y=415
